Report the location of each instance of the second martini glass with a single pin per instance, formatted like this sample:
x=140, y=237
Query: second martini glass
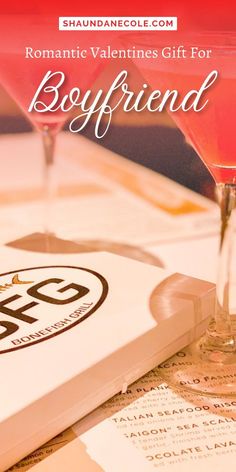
x=21, y=77
x=208, y=366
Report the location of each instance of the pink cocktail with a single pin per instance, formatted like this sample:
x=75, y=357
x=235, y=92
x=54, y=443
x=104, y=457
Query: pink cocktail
x=35, y=48
x=211, y=131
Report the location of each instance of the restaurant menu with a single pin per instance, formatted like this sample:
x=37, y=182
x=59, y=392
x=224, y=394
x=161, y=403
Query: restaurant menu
x=151, y=427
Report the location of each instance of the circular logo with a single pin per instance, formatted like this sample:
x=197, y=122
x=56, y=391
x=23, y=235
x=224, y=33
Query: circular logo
x=39, y=303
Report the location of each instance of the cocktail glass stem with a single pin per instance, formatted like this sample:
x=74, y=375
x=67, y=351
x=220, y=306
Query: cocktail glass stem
x=49, y=139
x=219, y=340
x=209, y=366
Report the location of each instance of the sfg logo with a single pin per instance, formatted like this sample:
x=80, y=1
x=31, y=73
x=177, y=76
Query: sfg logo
x=42, y=302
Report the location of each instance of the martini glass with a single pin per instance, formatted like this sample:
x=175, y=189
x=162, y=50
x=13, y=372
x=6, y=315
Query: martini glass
x=21, y=77
x=207, y=366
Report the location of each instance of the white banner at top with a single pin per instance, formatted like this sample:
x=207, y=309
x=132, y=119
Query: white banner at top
x=117, y=23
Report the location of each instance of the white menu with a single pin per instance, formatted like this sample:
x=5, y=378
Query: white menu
x=151, y=427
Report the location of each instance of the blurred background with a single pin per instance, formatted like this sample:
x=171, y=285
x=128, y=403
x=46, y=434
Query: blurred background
x=149, y=139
